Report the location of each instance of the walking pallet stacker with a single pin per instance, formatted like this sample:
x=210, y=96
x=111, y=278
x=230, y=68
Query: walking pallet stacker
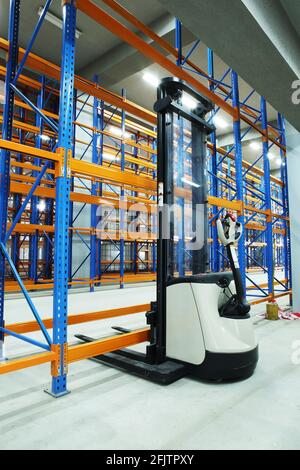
x=200, y=323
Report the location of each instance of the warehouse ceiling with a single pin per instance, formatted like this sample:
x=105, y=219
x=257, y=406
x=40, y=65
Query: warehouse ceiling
x=260, y=39
x=120, y=66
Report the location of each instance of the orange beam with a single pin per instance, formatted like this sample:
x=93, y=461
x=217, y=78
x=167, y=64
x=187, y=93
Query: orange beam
x=30, y=167
x=30, y=179
x=141, y=26
x=27, y=150
x=265, y=285
x=232, y=205
x=266, y=212
x=23, y=78
x=258, y=211
x=79, y=352
x=26, y=362
x=91, y=169
x=112, y=279
x=106, y=345
x=20, y=188
x=20, y=104
x=32, y=228
x=29, y=327
x=270, y=297
x=23, y=125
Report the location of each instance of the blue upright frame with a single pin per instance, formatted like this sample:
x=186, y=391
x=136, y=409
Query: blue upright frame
x=7, y=130
x=239, y=170
x=267, y=191
x=215, y=263
x=63, y=184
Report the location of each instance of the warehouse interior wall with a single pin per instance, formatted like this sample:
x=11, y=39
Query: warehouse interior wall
x=293, y=162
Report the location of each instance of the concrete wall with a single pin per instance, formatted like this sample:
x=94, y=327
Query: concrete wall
x=293, y=159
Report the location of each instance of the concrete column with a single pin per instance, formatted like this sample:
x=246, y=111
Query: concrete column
x=293, y=162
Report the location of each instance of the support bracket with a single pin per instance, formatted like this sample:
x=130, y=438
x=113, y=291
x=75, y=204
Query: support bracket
x=59, y=368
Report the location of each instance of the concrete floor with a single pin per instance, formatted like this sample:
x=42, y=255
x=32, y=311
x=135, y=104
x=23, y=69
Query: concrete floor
x=108, y=409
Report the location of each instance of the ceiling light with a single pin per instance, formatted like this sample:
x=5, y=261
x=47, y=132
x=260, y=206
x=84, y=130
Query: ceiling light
x=56, y=21
x=279, y=161
x=45, y=138
x=189, y=182
x=118, y=132
x=151, y=79
x=255, y=146
x=188, y=101
x=271, y=156
x=220, y=122
x=41, y=206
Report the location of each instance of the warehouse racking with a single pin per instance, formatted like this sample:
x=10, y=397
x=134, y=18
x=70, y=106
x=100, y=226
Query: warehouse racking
x=72, y=151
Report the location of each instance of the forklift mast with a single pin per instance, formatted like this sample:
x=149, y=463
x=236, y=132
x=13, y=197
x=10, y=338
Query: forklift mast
x=182, y=247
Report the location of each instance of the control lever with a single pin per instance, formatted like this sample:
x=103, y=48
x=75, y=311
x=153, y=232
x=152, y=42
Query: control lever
x=230, y=231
